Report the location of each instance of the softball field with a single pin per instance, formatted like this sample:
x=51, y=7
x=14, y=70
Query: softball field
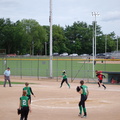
x=54, y=103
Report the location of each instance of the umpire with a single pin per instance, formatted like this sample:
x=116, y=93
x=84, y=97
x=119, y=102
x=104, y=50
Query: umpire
x=7, y=77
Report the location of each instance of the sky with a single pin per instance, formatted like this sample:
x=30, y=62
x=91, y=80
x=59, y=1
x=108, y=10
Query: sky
x=65, y=12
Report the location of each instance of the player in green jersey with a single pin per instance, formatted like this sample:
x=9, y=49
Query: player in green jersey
x=64, y=75
x=29, y=90
x=84, y=94
x=24, y=105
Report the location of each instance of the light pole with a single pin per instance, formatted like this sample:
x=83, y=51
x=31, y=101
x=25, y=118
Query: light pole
x=93, y=50
x=50, y=20
x=28, y=30
x=72, y=42
x=95, y=23
x=117, y=44
x=105, y=44
x=45, y=48
x=32, y=47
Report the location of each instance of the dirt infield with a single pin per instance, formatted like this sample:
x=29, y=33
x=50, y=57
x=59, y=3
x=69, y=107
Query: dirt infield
x=54, y=103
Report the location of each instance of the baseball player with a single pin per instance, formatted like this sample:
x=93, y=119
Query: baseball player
x=29, y=90
x=64, y=75
x=7, y=77
x=83, y=90
x=100, y=78
x=24, y=105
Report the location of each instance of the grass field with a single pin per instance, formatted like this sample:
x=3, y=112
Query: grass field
x=2, y=82
x=78, y=68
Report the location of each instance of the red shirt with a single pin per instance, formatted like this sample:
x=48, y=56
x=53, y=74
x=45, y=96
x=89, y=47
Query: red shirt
x=100, y=76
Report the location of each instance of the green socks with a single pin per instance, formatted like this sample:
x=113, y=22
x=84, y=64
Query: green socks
x=84, y=110
x=80, y=108
x=68, y=85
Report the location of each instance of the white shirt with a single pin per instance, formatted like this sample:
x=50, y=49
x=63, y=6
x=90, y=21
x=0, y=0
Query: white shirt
x=7, y=73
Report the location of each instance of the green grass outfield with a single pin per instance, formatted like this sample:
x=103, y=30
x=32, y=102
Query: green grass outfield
x=2, y=82
x=39, y=66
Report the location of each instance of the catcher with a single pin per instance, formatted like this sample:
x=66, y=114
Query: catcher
x=83, y=90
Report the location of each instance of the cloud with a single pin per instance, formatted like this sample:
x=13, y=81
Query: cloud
x=8, y=3
x=111, y=16
x=65, y=12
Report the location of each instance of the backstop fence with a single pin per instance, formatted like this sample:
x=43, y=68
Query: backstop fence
x=39, y=66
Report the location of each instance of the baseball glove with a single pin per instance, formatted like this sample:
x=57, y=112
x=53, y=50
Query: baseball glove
x=18, y=111
x=77, y=88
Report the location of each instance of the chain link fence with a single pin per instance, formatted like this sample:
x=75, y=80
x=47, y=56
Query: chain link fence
x=39, y=66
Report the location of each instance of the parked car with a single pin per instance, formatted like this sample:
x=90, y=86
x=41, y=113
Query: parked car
x=100, y=55
x=26, y=55
x=55, y=54
x=11, y=55
x=74, y=54
x=84, y=55
x=64, y=54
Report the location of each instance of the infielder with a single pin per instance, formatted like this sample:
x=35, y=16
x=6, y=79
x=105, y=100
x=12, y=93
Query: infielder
x=64, y=75
x=24, y=105
x=29, y=90
x=83, y=90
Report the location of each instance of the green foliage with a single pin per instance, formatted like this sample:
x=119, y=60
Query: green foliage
x=28, y=36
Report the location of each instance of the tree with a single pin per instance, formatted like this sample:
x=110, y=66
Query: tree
x=2, y=24
x=59, y=41
x=36, y=35
x=8, y=35
x=81, y=34
x=28, y=36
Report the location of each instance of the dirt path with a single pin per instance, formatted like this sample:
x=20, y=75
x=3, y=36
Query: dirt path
x=54, y=103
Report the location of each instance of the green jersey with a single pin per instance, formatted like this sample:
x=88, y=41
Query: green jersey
x=28, y=90
x=84, y=88
x=64, y=76
x=24, y=101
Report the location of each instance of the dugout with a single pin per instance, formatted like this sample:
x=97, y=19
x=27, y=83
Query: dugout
x=113, y=77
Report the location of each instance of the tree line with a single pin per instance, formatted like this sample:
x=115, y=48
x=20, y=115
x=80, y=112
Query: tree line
x=29, y=37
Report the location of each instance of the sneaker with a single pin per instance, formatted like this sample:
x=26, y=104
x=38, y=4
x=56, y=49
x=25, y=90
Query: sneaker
x=84, y=116
x=79, y=114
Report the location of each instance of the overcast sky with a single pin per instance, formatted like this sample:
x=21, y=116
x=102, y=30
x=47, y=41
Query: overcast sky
x=65, y=12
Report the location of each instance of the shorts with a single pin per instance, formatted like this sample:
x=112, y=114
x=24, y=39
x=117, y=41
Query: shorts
x=100, y=81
